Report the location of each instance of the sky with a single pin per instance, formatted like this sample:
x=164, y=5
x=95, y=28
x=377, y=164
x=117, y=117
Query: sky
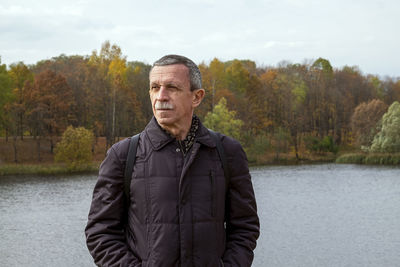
x=345, y=32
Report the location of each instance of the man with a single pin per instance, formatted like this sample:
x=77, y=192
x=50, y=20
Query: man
x=180, y=213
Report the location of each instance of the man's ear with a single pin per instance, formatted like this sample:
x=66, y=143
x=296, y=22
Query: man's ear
x=198, y=96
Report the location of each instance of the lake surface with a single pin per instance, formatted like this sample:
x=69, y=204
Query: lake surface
x=315, y=215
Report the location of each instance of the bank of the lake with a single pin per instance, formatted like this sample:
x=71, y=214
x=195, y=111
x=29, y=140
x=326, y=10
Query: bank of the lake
x=370, y=158
x=348, y=158
x=46, y=169
x=61, y=169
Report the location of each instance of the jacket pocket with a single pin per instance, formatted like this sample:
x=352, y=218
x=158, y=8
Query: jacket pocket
x=213, y=193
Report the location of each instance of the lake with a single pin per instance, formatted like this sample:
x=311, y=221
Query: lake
x=311, y=215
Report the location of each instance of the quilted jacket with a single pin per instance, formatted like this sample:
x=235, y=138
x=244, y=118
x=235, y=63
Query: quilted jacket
x=180, y=213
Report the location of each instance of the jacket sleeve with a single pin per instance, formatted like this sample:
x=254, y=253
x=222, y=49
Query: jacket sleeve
x=105, y=236
x=242, y=222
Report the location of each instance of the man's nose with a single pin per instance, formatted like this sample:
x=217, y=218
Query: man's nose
x=162, y=94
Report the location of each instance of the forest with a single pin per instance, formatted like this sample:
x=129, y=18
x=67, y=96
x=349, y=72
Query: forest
x=298, y=109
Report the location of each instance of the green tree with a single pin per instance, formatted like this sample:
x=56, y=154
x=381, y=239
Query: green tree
x=5, y=96
x=20, y=74
x=323, y=65
x=108, y=81
x=223, y=120
x=75, y=147
x=388, y=139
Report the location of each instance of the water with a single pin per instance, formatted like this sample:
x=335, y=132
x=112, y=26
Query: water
x=328, y=215
x=319, y=215
x=42, y=221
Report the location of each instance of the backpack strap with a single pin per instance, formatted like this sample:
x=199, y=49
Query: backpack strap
x=130, y=162
x=224, y=160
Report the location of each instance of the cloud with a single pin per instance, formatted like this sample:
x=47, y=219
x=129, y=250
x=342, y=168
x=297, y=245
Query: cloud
x=358, y=32
x=283, y=44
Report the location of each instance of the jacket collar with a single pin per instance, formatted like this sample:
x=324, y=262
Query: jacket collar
x=203, y=136
x=159, y=138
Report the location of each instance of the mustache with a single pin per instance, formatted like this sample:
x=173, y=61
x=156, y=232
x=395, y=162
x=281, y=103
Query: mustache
x=163, y=105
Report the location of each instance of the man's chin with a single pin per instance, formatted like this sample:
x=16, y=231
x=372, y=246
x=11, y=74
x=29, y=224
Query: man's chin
x=164, y=120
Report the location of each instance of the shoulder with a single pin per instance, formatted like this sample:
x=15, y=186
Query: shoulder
x=120, y=149
x=231, y=145
x=235, y=154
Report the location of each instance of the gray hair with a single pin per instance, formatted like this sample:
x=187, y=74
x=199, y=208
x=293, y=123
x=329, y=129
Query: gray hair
x=194, y=72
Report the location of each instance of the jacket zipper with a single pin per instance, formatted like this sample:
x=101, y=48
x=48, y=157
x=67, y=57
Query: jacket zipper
x=212, y=180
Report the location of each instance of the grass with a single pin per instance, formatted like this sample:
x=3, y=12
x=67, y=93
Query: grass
x=45, y=169
x=270, y=158
x=370, y=158
x=28, y=162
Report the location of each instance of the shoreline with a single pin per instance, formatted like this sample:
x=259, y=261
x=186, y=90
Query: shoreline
x=46, y=169
x=361, y=158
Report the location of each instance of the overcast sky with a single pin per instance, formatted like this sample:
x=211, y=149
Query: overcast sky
x=346, y=32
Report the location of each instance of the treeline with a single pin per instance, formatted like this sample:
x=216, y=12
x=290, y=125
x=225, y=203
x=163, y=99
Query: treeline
x=285, y=107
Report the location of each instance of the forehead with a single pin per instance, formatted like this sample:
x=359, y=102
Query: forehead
x=170, y=73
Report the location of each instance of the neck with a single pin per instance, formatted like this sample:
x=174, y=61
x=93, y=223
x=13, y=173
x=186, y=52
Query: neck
x=178, y=131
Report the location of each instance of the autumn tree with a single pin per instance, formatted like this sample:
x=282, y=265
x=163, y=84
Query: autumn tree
x=75, y=70
x=13, y=108
x=255, y=118
x=50, y=106
x=109, y=86
x=353, y=89
x=214, y=80
x=237, y=77
x=75, y=147
x=20, y=74
x=138, y=82
x=364, y=120
x=5, y=96
x=321, y=108
x=391, y=90
x=294, y=91
x=388, y=138
x=273, y=96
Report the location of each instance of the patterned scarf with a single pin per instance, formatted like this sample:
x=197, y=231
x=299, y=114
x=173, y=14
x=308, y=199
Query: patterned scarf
x=189, y=140
x=187, y=143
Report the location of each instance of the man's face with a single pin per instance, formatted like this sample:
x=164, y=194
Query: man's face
x=171, y=98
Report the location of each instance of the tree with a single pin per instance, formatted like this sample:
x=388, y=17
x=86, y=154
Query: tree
x=364, y=120
x=223, y=120
x=19, y=74
x=255, y=117
x=388, y=139
x=295, y=91
x=138, y=84
x=324, y=66
x=107, y=80
x=50, y=105
x=5, y=96
x=75, y=147
x=75, y=70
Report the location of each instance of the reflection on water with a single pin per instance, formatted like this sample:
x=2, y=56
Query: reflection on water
x=319, y=215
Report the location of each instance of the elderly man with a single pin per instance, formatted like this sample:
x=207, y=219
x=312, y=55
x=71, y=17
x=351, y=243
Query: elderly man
x=181, y=209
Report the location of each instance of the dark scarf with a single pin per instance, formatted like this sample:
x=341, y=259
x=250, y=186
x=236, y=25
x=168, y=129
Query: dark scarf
x=187, y=143
x=189, y=140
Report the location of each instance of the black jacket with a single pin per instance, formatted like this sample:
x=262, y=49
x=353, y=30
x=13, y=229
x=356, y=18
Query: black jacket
x=178, y=205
